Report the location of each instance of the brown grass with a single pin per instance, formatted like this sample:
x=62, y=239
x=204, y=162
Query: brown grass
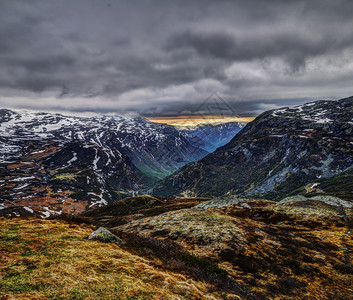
x=42, y=259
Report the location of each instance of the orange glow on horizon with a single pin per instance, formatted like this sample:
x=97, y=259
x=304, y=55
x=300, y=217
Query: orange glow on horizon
x=190, y=121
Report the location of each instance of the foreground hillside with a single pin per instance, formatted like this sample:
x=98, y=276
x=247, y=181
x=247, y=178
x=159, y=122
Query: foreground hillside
x=42, y=259
x=280, y=151
x=296, y=249
x=227, y=248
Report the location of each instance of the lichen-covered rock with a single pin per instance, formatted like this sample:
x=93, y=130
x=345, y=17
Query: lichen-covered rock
x=329, y=200
x=105, y=236
x=222, y=202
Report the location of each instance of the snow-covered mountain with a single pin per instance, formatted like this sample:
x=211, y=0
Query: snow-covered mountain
x=156, y=149
x=71, y=163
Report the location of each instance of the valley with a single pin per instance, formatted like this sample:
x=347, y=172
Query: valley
x=262, y=210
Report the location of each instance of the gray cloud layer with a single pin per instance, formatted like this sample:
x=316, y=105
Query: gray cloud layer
x=166, y=57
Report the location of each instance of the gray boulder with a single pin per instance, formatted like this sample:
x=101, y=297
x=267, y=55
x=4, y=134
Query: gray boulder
x=105, y=236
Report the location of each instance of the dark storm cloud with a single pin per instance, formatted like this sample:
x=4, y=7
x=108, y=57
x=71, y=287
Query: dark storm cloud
x=295, y=48
x=165, y=57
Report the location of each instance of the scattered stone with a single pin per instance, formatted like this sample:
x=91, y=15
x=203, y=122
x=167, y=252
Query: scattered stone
x=105, y=236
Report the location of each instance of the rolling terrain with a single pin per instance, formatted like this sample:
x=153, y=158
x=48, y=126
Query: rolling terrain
x=269, y=215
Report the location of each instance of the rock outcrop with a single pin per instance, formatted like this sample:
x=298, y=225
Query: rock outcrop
x=104, y=236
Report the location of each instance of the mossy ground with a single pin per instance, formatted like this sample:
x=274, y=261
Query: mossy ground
x=64, y=176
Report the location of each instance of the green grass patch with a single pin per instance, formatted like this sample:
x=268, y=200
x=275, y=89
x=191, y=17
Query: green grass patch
x=64, y=177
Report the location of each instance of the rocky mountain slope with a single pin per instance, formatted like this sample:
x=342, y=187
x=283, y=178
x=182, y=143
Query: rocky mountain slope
x=340, y=185
x=52, y=178
x=280, y=151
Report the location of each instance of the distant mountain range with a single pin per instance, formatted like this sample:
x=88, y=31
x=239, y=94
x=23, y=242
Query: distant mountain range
x=67, y=163
x=280, y=151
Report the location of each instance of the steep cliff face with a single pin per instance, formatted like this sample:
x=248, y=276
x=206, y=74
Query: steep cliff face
x=280, y=151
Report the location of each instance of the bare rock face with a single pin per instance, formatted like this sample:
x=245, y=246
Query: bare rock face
x=104, y=236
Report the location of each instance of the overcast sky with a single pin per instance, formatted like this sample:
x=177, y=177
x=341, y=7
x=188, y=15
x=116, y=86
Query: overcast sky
x=166, y=57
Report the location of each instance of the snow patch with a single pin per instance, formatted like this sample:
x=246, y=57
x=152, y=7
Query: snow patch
x=72, y=159
x=28, y=209
x=95, y=161
x=23, y=178
x=37, y=152
x=100, y=202
x=49, y=212
x=21, y=186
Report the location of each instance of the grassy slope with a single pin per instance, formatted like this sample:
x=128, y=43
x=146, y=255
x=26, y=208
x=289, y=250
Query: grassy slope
x=42, y=259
